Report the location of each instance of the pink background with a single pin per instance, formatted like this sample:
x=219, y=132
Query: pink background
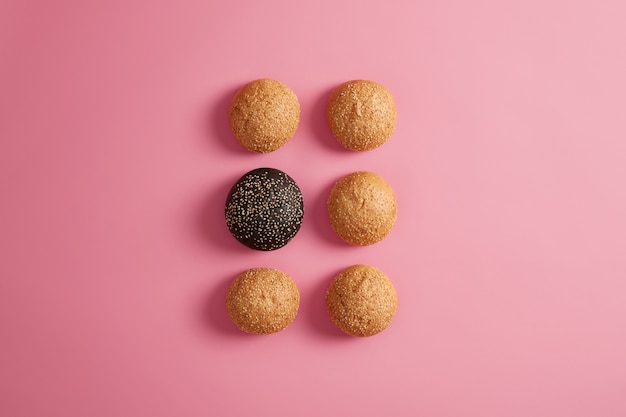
x=508, y=163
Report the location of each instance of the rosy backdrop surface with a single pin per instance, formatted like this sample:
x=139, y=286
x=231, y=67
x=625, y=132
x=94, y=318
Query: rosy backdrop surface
x=508, y=161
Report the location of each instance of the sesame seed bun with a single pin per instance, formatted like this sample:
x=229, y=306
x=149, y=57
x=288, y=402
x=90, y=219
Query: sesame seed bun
x=361, y=300
x=264, y=209
x=361, y=115
x=263, y=115
x=262, y=300
x=362, y=208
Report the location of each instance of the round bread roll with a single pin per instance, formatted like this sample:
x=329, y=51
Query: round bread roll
x=362, y=208
x=361, y=300
x=263, y=115
x=262, y=300
x=264, y=209
x=361, y=114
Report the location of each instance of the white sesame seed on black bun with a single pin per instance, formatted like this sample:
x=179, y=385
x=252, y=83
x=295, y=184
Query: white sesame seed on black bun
x=264, y=209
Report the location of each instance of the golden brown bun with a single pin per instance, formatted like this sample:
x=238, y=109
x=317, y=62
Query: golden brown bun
x=361, y=300
x=361, y=114
x=362, y=208
x=263, y=115
x=262, y=300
